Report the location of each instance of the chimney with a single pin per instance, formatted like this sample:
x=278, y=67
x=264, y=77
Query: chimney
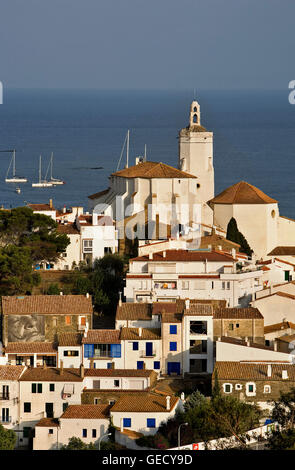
x=219, y=338
x=168, y=403
x=248, y=343
x=50, y=203
x=64, y=209
x=182, y=396
x=275, y=345
x=61, y=368
x=269, y=370
x=233, y=253
x=150, y=255
x=164, y=254
x=140, y=332
x=120, y=299
x=187, y=304
x=82, y=371
x=61, y=293
x=284, y=374
x=87, y=295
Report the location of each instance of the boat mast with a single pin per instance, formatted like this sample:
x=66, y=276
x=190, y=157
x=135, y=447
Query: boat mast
x=13, y=163
x=40, y=169
x=51, y=160
x=127, y=149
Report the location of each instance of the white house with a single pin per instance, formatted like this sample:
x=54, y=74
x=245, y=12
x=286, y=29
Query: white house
x=86, y=422
x=118, y=379
x=277, y=307
x=9, y=395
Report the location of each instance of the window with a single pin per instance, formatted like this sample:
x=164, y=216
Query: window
x=64, y=406
x=237, y=325
x=93, y=432
x=223, y=285
x=185, y=285
x=5, y=415
x=267, y=389
x=198, y=327
x=67, y=320
x=39, y=389
x=156, y=364
x=50, y=431
x=150, y=423
x=173, y=346
x=83, y=321
x=140, y=365
x=135, y=346
x=198, y=346
x=231, y=326
x=27, y=407
x=238, y=387
x=87, y=246
x=34, y=388
x=126, y=422
x=69, y=353
x=227, y=388
x=19, y=360
x=173, y=329
x=116, y=383
x=212, y=285
x=84, y=433
x=54, y=322
x=26, y=432
x=250, y=389
x=112, y=402
x=109, y=365
x=228, y=285
x=51, y=387
x=96, y=401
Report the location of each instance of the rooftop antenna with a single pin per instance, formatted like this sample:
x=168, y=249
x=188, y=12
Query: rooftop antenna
x=122, y=151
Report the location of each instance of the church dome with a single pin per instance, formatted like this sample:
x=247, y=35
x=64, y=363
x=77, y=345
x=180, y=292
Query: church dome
x=242, y=193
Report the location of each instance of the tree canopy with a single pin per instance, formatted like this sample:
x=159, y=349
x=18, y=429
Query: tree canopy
x=7, y=438
x=233, y=234
x=284, y=414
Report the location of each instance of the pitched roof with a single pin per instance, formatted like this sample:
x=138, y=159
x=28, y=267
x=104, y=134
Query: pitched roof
x=118, y=372
x=69, y=339
x=241, y=342
x=69, y=229
x=86, y=412
x=282, y=250
x=279, y=294
x=30, y=348
x=144, y=404
x=287, y=338
x=278, y=327
x=41, y=207
x=47, y=304
x=152, y=170
x=134, y=311
x=199, y=309
x=242, y=193
x=51, y=374
x=102, y=336
x=146, y=333
x=187, y=255
x=217, y=240
x=100, y=193
x=48, y=423
x=11, y=372
x=251, y=371
x=237, y=313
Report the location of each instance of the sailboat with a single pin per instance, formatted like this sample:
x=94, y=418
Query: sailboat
x=52, y=180
x=14, y=178
x=44, y=183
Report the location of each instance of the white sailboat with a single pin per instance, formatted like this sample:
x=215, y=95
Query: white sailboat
x=14, y=178
x=54, y=181
x=42, y=183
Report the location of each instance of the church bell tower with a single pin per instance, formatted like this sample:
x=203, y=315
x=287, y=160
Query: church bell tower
x=196, y=158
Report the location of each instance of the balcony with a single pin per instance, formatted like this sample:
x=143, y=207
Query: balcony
x=144, y=354
x=6, y=420
x=4, y=396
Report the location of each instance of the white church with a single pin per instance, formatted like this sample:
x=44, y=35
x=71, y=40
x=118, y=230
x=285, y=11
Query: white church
x=166, y=196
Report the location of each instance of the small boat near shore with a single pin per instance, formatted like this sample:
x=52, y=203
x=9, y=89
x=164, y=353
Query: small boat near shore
x=54, y=181
x=42, y=183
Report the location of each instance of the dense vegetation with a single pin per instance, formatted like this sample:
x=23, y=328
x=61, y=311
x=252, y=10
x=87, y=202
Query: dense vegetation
x=235, y=236
x=7, y=438
x=25, y=240
x=284, y=414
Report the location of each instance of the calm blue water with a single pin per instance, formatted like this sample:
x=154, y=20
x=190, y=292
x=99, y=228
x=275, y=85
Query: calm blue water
x=254, y=138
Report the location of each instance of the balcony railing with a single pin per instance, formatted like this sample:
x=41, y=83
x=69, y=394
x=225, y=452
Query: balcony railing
x=144, y=354
x=4, y=396
x=6, y=420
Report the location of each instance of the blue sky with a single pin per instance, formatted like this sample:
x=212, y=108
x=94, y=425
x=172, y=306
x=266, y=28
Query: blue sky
x=147, y=44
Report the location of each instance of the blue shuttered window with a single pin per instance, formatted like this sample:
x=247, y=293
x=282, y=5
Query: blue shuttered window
x=127, y=422
x=151, y=423
x=156, y=364
x=115, y=350
x=88, y=350
x=173, y=329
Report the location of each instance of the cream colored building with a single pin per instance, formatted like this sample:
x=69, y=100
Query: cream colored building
x=202, y=274
x=276, y=308
x=86, y=422
x=9, y=395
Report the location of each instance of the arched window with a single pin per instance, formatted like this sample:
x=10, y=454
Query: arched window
x=195, y=119
x=195, y=109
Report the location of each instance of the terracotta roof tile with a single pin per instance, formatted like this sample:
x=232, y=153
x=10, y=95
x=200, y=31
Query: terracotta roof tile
x=41, y=207
x=100, y=193
x=69, y=229
x=86, y=412
x=30, y=348
x=69, y=339
x=187, y=255
x=118, y=372
x=102, y=336
x=278, y=327
x=51, y=374
x=146, y=333
x=134, y=311
x=11, y=372
x=47, y=304
x=237, y=313
x=251, y=371
x=242, y=193
x=152, y=170
x=282, y=250
x=144, y=404
x=48, y=423
x=199, y=309
x=287, y=338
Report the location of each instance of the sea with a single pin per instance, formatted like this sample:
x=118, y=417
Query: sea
x=254, y=138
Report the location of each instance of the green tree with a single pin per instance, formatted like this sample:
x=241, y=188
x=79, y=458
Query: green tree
x=75, y=443
x=16, y=274
x=216, y=387
x=233, y=234
x=53, y=289
x=284, y=414
x=7, y=438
